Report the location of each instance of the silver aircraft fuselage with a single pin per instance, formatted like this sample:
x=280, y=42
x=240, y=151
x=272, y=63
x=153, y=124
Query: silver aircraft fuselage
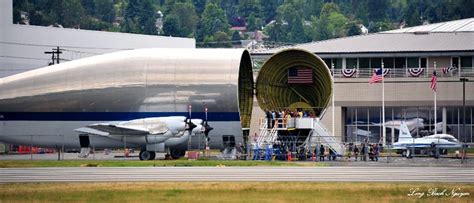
x=42, y=107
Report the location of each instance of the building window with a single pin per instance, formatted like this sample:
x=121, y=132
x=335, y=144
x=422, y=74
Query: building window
x=466, y=62
x=375, y=63
x=455, y=62
x=413, y=62
x=423, y=62
x=388, y=62
x=400, y=62
x=364, y=63
x=365, y=123
x=337, y=63
x=351, y=63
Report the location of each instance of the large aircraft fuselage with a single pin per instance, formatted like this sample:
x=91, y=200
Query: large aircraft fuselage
x=43, y=106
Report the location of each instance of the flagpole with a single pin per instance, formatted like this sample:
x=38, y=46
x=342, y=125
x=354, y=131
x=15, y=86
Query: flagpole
x=435, y=120
x=383, y=107
x=333, y=118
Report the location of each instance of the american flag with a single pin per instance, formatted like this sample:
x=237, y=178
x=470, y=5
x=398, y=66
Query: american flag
x=300, y=76
x=377, y=76
x=434, y=79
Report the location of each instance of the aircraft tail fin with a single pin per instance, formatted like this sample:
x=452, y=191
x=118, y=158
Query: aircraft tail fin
x=404, y=132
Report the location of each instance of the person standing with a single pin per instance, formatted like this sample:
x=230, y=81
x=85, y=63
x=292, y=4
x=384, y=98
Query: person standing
x=376, y=152
x=349, y=151
x=371, y=152
x=321, y=153
x=356, y=152
x=273, y=118
x=363, y=152
x=268, y=114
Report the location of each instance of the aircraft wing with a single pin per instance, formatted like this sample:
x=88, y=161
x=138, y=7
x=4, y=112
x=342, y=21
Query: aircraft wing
x=105, y=129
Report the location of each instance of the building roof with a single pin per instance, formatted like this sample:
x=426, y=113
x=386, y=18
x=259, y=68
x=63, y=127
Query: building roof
x=463, y=25
x=440, y=37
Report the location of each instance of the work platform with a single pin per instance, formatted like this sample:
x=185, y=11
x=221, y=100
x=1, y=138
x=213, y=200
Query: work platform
x=295, y=135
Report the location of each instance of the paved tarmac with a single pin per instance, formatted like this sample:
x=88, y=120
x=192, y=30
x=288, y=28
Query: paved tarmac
x=219, y=174
x=383, y=161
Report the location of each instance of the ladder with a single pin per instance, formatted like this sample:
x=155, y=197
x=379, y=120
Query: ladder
x=267, y=136
x=319, y=134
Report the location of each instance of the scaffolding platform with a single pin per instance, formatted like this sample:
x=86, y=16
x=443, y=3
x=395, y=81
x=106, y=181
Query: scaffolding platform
x=295, y=135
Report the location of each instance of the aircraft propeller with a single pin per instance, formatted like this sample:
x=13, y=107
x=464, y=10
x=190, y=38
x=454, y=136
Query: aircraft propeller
x=207, y=127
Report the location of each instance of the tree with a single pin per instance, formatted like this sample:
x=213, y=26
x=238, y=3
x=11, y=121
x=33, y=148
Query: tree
x=380, y=26
x=140, y=17
x=236, y=38
x=377, y=10
x=72, y=13
x=248, y=7
x=330, y=24
x=412, y=15
x=313, y=9
x=222, y=40
x=213, y=20
x=104, y=10
x=171, y=26
x=252, y=23
x=269, y=9
x=182, y=21
x=337, y=25
x=353, y=29
x=275, y=32
x=199, y=5
x=290, y=23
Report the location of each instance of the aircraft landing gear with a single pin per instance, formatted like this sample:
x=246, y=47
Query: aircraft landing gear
x=176, y=154
x=147, y=155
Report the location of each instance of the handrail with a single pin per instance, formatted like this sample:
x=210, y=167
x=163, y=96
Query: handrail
x=404, y=72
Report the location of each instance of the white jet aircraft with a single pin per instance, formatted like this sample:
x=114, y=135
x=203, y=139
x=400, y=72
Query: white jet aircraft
x=412, y=124
x=440, y=141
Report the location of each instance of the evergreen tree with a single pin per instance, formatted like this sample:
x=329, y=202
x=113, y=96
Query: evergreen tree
x=377, y=10
x=213, y=20
x=182, y=21
x=236, y=38
x=140, y=17
x=269, y=9
x=353, y=29
x=252, y=23
x=221, y=40
x=171, y=26
x=249, y=7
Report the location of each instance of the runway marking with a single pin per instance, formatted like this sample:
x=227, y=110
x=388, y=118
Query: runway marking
x=342, y=174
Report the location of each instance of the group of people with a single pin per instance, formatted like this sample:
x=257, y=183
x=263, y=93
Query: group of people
x=285, y=115
x=325, y=152
x=365, y=150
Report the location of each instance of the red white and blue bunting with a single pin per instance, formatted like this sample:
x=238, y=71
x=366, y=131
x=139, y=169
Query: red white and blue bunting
x=448, y=70
x=386, y=71
x=416, y=72
x=349, y=73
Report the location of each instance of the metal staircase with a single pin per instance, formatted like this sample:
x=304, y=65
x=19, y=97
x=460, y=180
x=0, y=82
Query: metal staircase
x=320, y=135
x=267, y=136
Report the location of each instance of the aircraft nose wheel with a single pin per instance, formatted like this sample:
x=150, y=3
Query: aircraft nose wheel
x=147, y=155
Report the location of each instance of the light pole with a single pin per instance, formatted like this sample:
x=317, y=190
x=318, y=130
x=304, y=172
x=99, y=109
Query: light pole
x=463, y=80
